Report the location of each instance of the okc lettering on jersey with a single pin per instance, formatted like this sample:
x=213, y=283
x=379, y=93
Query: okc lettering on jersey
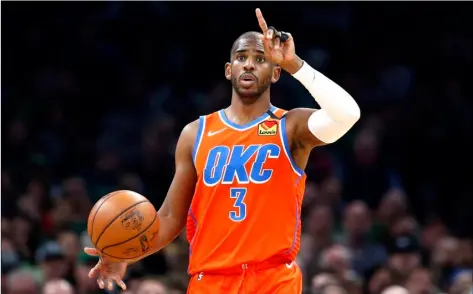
x=227, y=166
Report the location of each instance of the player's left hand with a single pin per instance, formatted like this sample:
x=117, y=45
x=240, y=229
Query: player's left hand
x=276, y=51
x=107, y=272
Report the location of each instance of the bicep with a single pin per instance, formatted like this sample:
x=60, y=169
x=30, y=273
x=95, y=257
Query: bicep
x=298, y=118
x=180, y=193
x=316, y=127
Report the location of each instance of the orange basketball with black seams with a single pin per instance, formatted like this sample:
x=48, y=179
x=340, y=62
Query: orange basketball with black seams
x=123, y=225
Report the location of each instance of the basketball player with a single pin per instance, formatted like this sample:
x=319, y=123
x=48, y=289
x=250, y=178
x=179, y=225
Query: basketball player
x=239, y=177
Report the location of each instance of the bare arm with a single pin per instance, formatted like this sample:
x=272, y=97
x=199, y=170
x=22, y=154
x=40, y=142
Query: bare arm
x=173, y=212
x=297, y=125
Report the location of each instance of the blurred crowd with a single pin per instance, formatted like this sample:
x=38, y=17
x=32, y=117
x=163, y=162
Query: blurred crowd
x=94, y=96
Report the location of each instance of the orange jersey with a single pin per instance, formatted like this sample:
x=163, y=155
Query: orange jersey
x=248, y=196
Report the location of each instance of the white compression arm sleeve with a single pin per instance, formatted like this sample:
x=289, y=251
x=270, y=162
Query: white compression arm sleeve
x=339, y=110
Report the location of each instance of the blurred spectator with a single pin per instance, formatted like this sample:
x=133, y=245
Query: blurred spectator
x=322, y=280
x=178, y=283
x=404, y=257
x=24, y=236
x=57, y=287
x=432, y=233
x=75, y=191
x=447, y=258
x=392, y=207
x=21, y=282
x=380, y=280
x=461, y=282
x=176, y=256
x=339, y=259
x=465, y=253
x=150, y=285
x=333, y=289
x=395, y=290
x=364, y=173
x=85, y=285
x=51, y=261
x=420, y=282
x=330, y=194
x=10, y=258
x=357, y=224
x=70, y=245
x=317, y=237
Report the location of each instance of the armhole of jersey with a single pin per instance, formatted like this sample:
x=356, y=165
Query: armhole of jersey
x=279, y=112
x=287, y=147
x=198, y=139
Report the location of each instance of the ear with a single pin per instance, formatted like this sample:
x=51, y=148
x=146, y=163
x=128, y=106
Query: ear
x=276, y=74
x=228, y=71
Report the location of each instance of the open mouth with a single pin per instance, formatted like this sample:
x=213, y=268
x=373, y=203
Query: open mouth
x=248, y=78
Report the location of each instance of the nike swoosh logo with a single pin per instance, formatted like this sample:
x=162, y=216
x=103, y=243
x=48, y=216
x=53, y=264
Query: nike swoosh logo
x=210, y=133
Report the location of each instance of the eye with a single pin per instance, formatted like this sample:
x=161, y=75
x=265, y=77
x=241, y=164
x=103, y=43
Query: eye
x=240, y=58
x=260, y=59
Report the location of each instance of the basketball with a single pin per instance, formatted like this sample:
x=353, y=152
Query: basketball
x=122, y=225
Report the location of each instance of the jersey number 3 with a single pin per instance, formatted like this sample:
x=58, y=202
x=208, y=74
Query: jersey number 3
x=239, y=213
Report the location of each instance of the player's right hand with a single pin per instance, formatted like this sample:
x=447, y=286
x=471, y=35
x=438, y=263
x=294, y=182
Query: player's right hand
x=107, y=271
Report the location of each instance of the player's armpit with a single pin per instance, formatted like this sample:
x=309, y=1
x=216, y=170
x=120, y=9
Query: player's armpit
x=297, y=121
x=314, y=127
x=173, y=212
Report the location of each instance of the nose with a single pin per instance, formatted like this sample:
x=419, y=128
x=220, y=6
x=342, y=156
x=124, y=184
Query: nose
x=249, y=65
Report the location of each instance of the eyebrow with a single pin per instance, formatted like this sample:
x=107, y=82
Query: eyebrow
x=246, y=50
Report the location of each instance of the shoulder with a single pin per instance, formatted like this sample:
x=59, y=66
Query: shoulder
x=299, y=113
x=191, y=129
x=189, y=135
x=278, y=112
x=296, y=119
x=298, y=128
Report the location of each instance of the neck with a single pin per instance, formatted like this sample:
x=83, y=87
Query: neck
x=241, y=112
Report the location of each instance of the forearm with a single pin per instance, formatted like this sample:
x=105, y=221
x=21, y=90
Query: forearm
x=339, y=111
x=169, y=229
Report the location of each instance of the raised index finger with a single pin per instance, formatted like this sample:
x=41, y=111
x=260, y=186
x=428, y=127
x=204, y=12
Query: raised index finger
x=261, y=21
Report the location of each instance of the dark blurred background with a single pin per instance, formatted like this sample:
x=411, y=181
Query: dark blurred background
x=94, y=96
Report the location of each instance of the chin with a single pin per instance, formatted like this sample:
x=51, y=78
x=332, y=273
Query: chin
x=256, y=90
x=249, y=96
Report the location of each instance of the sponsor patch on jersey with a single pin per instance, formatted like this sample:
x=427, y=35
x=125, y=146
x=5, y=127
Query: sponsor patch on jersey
x=268, y=128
